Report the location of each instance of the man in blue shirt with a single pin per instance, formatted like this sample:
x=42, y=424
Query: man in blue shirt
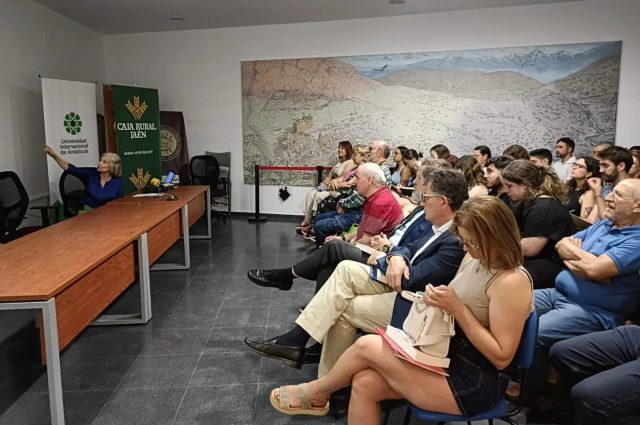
x=600, y=287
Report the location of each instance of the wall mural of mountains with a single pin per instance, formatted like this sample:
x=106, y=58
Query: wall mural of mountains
x=295, y=111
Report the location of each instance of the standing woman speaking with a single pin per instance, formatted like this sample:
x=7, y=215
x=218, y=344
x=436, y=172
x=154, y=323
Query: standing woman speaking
x=102, y=184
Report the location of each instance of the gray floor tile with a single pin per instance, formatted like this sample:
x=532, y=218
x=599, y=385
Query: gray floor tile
x=141, y=407
x=225, y=369
x=84, y=374
x=283, y=315
x=230, y=404
x=241, y=316
x=120, y=341
x=160, y=372
x=176, y=342
x=249, y=297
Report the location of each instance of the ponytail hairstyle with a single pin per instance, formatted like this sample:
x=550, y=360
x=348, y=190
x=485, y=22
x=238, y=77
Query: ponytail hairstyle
x=538, y=181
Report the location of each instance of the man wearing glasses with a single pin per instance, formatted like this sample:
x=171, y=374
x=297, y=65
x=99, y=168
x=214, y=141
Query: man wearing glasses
x=351, y=300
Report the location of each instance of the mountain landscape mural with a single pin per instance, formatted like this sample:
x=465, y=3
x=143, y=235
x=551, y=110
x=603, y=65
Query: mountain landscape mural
x=295, y=111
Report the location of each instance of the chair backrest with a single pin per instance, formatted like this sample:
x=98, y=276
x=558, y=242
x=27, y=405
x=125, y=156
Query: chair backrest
x=72, y=190
x=527, y=346
x=204, y=170
x=224, y=158
x=14, y=202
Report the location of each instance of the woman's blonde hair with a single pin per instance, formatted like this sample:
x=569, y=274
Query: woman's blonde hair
x=494, y=229
x=538, y=181
x=363, y=150
x=115, y=163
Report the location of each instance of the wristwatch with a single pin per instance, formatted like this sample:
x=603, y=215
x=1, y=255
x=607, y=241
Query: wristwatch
x=386, y=248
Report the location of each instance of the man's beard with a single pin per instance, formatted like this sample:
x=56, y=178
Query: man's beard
x=610, y=178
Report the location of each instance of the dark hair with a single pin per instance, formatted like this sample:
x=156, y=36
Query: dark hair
x=567, y=141
x=516, y=152
x=617, y=154
x=441, y=150
x=542, y=154
x=500, y=162
x=451, y=184
x=484, y=150
x=410, y=154
x=402, y=150
x=470, y=167
x=593, y=167
x=538, y=181
x=347, y=148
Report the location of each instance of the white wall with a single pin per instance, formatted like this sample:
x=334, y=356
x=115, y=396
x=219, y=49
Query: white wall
x=198, y=72
x=34, y=40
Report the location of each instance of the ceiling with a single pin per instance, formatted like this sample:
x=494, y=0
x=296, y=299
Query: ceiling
x=133, y=16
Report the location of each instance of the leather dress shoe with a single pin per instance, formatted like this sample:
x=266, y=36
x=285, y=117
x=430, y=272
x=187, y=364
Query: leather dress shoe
x=263, y=278
x=311, y=356
x=291, y=356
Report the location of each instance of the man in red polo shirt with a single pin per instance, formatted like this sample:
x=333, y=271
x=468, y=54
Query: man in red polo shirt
x=381, y=211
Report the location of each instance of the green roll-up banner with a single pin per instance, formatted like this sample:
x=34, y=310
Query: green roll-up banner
x=137, y=121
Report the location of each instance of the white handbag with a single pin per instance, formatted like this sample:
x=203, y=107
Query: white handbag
x=429, y=328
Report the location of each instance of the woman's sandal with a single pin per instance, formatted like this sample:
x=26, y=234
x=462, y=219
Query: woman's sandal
x=280, y=402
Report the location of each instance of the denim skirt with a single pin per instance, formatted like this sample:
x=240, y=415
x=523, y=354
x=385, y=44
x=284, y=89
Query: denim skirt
x=476, y=384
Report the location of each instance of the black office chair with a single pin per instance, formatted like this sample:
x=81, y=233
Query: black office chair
x=72, y=190
x=222, y=195
x=14, y=202
x=205, y=170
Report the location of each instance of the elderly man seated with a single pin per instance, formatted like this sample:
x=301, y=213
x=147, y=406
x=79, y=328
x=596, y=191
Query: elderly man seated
x=322, y=262
x=351, y=300
x=381, y=211
x=600, y=287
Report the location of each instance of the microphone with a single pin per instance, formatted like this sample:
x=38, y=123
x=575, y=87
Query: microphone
x=158, y=185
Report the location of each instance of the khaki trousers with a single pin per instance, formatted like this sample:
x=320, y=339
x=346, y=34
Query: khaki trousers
x=348, y=301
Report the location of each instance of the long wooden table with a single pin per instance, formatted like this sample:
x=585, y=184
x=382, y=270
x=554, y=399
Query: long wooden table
x=73, y=270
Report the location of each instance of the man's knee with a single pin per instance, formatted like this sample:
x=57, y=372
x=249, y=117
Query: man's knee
x=590, y=402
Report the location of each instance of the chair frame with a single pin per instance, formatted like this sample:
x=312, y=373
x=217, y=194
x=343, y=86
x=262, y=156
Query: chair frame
x=523, y=359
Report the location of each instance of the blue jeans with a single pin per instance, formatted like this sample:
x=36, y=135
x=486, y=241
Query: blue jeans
x=606, y=366
x=559, y=319
x=330, y=223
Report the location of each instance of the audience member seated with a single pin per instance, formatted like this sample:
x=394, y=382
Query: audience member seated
x=411, y=159
x=321, y=263
x=350, y=299
x=541, y=157
x=600, y=287
x=493, y=177
x=601, y=147
x=541, y=217
x=615, y=163
x=331, y=184
x=482, y=153
x=473, y=174
x=634, y=172
x=379, y=152
x=516, y=152
x=102, y=184
x=581, y=198
x=604, y=370
x=490, y=298
x=381, y=211
x=401, y=173
x=440, y=151
x=564, y=152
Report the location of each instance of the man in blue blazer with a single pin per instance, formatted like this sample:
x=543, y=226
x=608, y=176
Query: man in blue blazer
x=351, y=299
x=322, y=262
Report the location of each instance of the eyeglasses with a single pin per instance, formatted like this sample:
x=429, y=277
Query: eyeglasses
x=462, y=242
x=576, y=165
x=426, y=196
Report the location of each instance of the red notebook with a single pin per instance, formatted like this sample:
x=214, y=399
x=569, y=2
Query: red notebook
x=399, y=352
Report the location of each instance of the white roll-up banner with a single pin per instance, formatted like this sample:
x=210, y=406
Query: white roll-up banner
x=70, y=126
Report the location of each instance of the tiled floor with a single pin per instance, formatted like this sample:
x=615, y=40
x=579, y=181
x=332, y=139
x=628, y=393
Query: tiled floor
x=188, y=365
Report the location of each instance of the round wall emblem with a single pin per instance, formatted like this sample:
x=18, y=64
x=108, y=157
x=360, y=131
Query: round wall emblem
x=170, y=143
x=72, y=123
